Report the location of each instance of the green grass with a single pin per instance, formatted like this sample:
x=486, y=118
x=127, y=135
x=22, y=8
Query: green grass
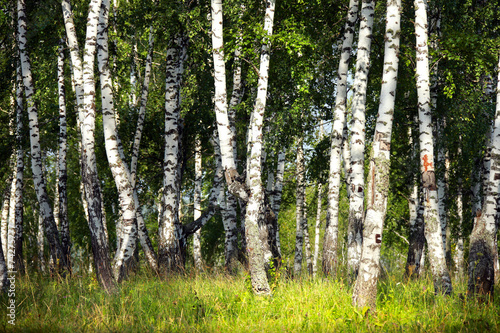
x=219, y=303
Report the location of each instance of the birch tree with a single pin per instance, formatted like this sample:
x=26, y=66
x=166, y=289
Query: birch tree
x=170, y=257
x=197, y=203
x=17, y=205
x=62, y=153
x=365, y=288
x=356, y=200
x=442, y=282
x=114, y=153
x=330, y=243
x=299, y=214
x=85, y=93
x=482, y=249
x=59, y=258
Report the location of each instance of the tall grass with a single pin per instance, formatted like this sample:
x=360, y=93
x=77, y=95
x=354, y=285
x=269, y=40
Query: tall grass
x=214, y=302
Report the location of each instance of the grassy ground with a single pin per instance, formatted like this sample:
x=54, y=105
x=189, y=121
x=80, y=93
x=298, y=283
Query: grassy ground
x=218, y=303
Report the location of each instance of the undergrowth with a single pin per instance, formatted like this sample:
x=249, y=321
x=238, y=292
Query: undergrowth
x=214, y=302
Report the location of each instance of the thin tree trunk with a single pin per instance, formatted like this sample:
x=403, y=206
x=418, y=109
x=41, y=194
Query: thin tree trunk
x=307, y=244
x=330, y=243
x=482, y=248
x=52, y=233
x=62, y=169
x=459, y=247
x=442, y=282
x=299, y=212
x=17, y=206
x=365, y=289
x=85, y=91
x=317, y=230
x=256, y=199
x=278, y=191
x=40, y=243
x=197, y=203
x=119, y=168
x=356, y=200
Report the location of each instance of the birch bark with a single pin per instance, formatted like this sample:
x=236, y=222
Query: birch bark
x=330, y=243
x=482, y=251
x=83, y=72
x=197, y=203
x=365, y=288
x=62, y=165
x=17, y=205
x=356, y=200
x=169, y=249
x=119, y=169
x=60, y=258
x=299, y=213
x=442, y=282
x=256, y=199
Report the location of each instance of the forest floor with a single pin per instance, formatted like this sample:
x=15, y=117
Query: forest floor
x=215, y=302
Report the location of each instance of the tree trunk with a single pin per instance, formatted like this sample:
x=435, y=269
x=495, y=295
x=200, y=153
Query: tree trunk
x=170, y=257
x=416, y=237
x=119, y=169
x=459, y=247
x=442, y=282
x=356, y=200
x=482, y=250
x=365, y=289
x=52, y=233
x=317, y=230
x=307, y=243
x=256, y=198
x=278, y=191
x=299, y=213
x=63, y=174
x=17, y=206
x=198, y=180
x=330, y=243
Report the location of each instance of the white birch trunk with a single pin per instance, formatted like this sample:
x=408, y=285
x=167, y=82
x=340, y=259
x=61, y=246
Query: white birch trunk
x=197, y=203
x=278, y=191
x=365, y=288
x=85, y=91
x=40, y=186
x=330, y=243
x=169, y=252
x=256, y=199
x=307, y=243
x=299, y=212
x=40, y=243
x=482, y=248
x=442, y=282
x=356, y=200
x=317, y=227
x=17, y=205
x=226, y=135
x=459, y=247
x=62, y=168
x=5, y=217
x=119, y=169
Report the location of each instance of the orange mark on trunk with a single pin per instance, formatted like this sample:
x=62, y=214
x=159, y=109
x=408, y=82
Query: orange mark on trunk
x=426, y=162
